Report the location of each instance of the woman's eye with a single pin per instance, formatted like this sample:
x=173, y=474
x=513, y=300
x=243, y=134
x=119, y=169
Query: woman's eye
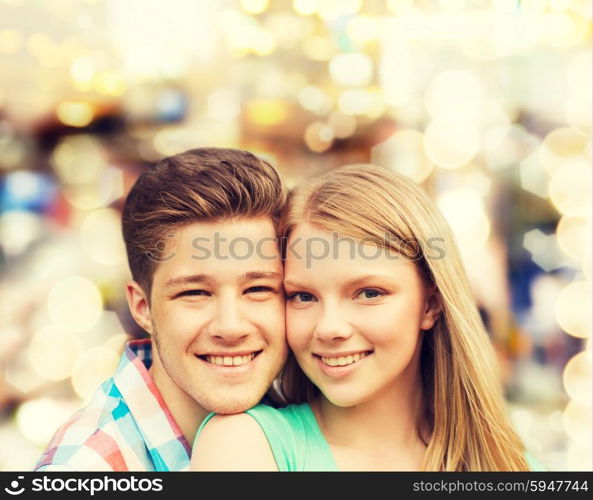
x=300, y=297
x=370, y=293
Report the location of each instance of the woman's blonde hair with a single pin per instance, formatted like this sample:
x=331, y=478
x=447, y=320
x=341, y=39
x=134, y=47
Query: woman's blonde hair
x=464, y=405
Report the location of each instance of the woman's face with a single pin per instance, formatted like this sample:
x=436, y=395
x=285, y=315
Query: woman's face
x=354, y=315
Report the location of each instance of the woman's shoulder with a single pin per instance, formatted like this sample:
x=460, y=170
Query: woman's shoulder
x=262, y=438
x=282, y=425
x=284, y=418
x=289, y=414
x=240, y=433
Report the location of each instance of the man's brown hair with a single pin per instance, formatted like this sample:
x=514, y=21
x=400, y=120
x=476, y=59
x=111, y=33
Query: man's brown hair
x=204, y=184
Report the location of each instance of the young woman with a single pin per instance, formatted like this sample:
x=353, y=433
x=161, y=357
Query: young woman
x=391, y=368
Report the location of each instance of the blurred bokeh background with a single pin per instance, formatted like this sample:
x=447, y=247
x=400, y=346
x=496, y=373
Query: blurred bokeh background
x=485, y=103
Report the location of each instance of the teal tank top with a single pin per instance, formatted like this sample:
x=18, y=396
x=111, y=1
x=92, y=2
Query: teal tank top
x=296, y=439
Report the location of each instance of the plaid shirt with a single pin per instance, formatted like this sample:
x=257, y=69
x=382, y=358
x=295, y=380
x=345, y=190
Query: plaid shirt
x=125, y=427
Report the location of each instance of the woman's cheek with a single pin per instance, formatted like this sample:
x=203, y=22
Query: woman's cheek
x=296, y=330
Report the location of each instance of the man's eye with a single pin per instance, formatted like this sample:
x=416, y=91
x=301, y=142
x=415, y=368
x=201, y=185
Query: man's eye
x=192, y=293
x=370, y=293
x=300, y=297
x=259, y=289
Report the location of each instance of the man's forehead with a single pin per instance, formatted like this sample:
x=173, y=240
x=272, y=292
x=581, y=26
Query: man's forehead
x=226, y=250
x=237, y=235
x=217, y=268
x=248, y=227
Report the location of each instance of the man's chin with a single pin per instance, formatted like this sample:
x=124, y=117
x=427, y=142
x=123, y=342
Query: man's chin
x=234, y=406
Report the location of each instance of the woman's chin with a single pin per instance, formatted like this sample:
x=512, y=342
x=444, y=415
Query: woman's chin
x=343, y=400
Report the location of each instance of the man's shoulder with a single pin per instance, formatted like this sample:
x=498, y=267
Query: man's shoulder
x=93, y=438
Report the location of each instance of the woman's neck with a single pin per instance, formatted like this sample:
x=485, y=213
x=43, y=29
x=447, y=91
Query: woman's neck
x=383, y=431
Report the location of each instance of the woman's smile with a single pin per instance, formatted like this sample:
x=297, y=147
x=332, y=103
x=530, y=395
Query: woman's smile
x=337, y=366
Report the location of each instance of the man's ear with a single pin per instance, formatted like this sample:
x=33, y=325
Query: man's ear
x=138, y=304
x=433, y=308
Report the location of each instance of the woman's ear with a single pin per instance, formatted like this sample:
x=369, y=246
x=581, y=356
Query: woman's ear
x=433, y=308
x=139, y=305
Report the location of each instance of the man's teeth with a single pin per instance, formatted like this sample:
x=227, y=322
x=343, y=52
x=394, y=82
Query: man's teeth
x=343, y=360
x=230, y=360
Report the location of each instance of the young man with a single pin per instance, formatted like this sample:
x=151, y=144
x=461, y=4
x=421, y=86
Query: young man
x=201, y=235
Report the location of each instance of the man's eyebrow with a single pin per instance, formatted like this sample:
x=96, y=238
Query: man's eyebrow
x=187, y=280
x=255, y=275
x=193, y=279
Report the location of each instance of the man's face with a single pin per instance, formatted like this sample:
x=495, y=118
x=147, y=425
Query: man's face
x=217, y=314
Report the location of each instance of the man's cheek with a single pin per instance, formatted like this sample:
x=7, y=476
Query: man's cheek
x=275, y=314
x=181, y=321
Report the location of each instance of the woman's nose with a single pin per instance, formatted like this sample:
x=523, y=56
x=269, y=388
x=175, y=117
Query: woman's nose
x=333, y=325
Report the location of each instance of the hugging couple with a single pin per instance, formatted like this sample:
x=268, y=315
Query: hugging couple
x=275, y=345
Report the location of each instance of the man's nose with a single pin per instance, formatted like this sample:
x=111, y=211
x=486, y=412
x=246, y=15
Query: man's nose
x=229, y=324
x=333, y=324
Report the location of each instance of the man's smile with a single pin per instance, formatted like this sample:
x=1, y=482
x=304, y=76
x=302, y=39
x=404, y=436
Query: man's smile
x=229, y=359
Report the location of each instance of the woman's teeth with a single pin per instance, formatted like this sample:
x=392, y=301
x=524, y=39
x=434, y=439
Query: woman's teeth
x=230, y=360
x=343, y=360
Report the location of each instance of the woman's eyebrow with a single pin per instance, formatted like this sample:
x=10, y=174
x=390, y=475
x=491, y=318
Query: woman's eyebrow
x=294, y=284
x=354, y=281
x=372, y=277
